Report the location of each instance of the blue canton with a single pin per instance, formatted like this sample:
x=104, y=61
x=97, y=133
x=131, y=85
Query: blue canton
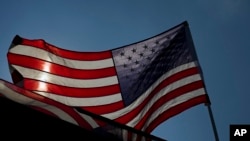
x=139, y=65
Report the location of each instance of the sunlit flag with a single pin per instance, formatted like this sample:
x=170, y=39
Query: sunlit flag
x=139, y=85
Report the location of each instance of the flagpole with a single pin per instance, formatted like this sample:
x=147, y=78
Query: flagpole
x=208, y=104
x=212, y=121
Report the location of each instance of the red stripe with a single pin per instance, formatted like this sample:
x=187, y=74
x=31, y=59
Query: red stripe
x=39, y=43
x=41, y=65
x=139, y=137
x=33, y=85
x=81, y=92
x=174, y=111
x=129, y=135
x=172, y=95
x=80, y=121
x=175, y=77
x=99, y=110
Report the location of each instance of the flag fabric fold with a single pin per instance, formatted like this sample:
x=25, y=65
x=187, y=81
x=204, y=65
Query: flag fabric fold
x=139, y=85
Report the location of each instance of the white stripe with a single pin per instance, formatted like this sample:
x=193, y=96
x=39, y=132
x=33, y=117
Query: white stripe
x=161, y=93
x=89, y=119
x=64, y=81
x=174, y=102
x=125, y=135
x=138, y=101
x=133, y=136
x=47, y=56
x=19, y=98
x=76, y=101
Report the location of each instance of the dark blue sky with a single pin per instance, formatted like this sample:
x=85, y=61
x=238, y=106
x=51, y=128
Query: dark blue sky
x=220, y=30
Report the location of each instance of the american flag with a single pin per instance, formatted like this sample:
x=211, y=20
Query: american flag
x=139, y=85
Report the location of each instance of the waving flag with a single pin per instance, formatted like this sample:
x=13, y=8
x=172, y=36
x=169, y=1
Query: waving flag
x=139, y=85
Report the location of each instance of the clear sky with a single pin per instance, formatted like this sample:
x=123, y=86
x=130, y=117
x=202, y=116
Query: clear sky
x=220, y=30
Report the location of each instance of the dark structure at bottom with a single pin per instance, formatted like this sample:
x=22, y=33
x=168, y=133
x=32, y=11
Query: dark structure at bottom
x=18, y=122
